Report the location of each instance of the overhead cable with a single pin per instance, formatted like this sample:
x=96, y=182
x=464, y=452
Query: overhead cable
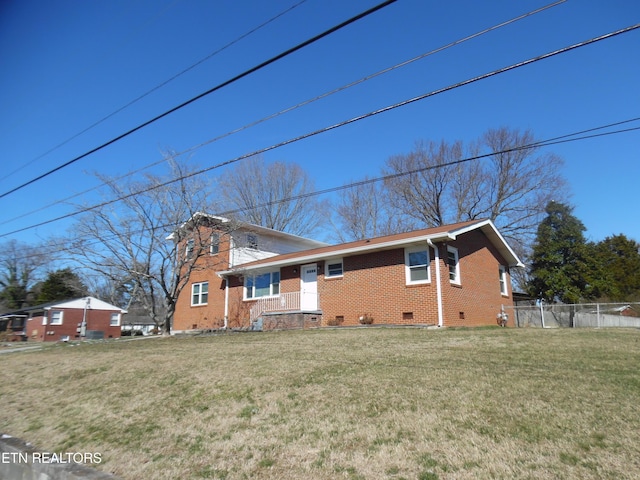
x=341, y=124
x=204, y=94
x=157, y=87
x=299, y=105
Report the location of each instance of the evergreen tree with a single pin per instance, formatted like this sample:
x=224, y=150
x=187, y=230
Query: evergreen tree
x=61, y=285
x=618, y=261
x=560, y=264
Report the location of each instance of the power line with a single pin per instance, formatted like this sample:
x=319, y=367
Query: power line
x=566, y=138
x=208, y=92
x=307, y=102
x=341, y=124
x=157, y=87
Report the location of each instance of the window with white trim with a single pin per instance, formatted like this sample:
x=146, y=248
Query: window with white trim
x=417, y=265
x=55, y=317
x=263, y=285
x=114, y=321
x=200, y=293
x=454, y=265
x=214, y=246
x=504, y=289
x=333, y=268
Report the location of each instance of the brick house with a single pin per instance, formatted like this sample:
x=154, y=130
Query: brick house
x=453, y=275
x=222, y=244
x=64, y=320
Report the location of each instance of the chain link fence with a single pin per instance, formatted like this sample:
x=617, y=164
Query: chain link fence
x=592, y=315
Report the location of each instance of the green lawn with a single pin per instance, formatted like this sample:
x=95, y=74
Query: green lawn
x=369, y=403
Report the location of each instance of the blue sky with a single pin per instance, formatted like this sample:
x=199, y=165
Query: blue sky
x=69, y=63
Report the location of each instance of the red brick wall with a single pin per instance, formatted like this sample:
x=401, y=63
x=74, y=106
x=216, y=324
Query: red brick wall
x=373, y=284
x=477, y=300
x=211, y=315
x=96, y=320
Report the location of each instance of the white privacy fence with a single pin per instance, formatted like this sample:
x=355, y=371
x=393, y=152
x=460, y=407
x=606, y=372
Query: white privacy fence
x=593, y=315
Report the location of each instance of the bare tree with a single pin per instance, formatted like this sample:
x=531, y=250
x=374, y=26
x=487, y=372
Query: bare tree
x=272, y=195
x=363, y=212
x=425, y=193
x=142, y=242
x=512, y=186
x=21, y=266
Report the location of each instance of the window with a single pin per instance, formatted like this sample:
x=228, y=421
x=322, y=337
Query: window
x=56, y=317
x=265, y=285
x=215, y=243
x=189, y=248
x=454, y=265
x=252, y=241
x=417, y=265
x=333, y=268
x=199, y=293
x=115, y=320
x=503, y=280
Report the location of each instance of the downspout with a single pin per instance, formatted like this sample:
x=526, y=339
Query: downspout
x=226, y=302
x=438, y=283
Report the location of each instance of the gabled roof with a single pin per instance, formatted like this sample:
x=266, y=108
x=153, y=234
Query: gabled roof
x=90, y=303
x=308, y=242
x=435, y=234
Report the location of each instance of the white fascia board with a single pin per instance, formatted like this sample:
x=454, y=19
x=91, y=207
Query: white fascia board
x=171, y=236
x=497, y=239
x=340, y=253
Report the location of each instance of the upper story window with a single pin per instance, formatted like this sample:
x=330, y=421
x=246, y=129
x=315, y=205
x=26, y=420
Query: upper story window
x=215, y=243
x=188, y=253
x=200, y=293
x=333, y=268
x=264, y=285
x=504, y=289
x=417, y=265
x=252, y=241
x=454, y=265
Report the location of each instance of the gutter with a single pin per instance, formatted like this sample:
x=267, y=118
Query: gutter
x=438, y=283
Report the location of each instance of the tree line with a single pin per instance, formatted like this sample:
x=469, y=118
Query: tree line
x=126, y=250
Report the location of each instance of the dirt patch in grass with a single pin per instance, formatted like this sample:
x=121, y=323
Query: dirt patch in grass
x=374, y=403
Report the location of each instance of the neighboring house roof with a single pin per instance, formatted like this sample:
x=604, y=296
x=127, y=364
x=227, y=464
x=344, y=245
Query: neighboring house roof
x=308, y=242
x=435, y=234
x=91, y=303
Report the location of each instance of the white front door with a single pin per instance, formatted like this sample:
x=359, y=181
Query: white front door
x=309, y=288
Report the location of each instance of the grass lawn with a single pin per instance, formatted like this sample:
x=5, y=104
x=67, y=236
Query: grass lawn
x=369, y=403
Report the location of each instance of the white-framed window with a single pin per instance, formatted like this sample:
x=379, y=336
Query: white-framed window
x=199, y=293
x=114, y=321
x=333, y=268
x=454, y=265
x=214, y=246
x=55, y=317
x=504, y=289
x=417, y=265
x=262, y=285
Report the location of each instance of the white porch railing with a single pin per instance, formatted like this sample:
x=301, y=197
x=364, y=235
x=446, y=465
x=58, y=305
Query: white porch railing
x=281, y=303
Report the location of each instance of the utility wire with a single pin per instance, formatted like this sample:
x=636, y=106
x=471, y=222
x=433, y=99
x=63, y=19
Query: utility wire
x=301, y=104
x=208, y=92
x=157, y=87
x=341, y=124
x=570, y=137
x=344, y=123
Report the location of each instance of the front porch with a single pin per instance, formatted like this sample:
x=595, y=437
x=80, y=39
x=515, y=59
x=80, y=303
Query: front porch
x=286, y=311
x=285, y=302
